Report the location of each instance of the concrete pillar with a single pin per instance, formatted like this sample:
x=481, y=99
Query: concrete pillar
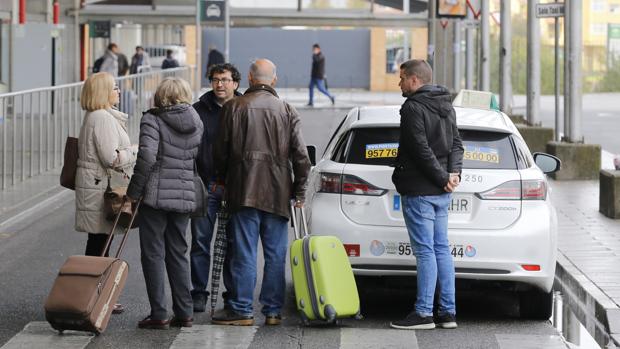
x=505, y=54
x=432, y=36
x=406, y=31
x=469, y=54
x=456, y=78
x=533, y=65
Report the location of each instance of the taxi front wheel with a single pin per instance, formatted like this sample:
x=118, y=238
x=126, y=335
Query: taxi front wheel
x=535, y=305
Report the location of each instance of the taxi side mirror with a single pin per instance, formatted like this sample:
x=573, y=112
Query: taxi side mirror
x=547, y=163
x=312, y=154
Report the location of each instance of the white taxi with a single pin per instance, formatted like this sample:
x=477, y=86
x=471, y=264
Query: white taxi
x=502, y=226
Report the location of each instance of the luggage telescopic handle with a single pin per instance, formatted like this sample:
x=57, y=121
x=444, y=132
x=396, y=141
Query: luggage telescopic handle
x=108, y=242
x=304, y=231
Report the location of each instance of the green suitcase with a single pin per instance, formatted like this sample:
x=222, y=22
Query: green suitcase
x=324, y=284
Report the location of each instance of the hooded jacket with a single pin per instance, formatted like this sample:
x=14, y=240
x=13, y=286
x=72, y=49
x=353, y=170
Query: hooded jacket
x=258, y=148
x=164, y=172
x=430, y=146
x=209, y=112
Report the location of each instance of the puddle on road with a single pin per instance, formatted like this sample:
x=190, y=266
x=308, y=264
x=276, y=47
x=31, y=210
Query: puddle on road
x=568, y=325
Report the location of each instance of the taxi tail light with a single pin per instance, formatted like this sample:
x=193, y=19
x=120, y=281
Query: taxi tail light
x=530, y=267
x=357, y=186
x=347, y=184
x=517, y=190
x=534, y=190
x=330, y=183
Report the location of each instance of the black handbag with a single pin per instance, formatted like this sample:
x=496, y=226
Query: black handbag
x=69, y=166
x=202, y=196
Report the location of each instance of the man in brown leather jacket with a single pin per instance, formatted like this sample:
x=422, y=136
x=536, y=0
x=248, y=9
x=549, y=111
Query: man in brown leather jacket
x=261, y=158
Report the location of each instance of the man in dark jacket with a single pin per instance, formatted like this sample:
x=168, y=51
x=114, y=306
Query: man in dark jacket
x=225, y=80
x=428, y=167
x=258, y=147
x=215, y=57
x=169, y=62
x=318, y=75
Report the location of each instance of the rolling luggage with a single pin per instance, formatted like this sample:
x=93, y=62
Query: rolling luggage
x=324, y=284
x=87, y=288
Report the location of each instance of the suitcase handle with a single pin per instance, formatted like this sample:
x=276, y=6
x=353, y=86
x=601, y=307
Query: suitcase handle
x=108, y=242
x=304, y=230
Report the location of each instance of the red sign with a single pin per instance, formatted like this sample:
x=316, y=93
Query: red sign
x=352, y=250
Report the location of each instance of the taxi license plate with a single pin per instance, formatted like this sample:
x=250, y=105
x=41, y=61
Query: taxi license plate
x=460, y=204
x=457, y=251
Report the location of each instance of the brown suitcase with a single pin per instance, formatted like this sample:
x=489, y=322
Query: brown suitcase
x=87, y=288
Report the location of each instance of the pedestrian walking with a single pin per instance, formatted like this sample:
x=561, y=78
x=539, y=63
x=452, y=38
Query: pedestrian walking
x=215, y=57
x=224, y=80
x=259, y=146
x=169, y=62
x=318, y=75
x=108, y=63
x=428, y=167
x=164, y=178
x=139, y=59
x=106, y=158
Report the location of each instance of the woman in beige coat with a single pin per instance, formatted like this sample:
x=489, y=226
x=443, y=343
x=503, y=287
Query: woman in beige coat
x=105, y=155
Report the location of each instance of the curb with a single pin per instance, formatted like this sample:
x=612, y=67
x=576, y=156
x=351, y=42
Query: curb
x=594, y=309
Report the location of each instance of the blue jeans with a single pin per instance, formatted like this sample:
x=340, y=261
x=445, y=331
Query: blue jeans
x=247, y=225
x=426, y=218
x=320, y=84
x=200, y=254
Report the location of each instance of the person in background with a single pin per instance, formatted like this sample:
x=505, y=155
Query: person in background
x=123, y=64
x=139, y=59
x=318, y=75
x=224, y=80
x=106, y=157
x=108, y=63
x=215, y=57
x=169, y=62
x=164, y=178
x=427, y=170
x=261, y=158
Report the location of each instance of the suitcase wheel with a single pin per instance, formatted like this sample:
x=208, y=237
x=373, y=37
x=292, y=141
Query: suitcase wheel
x=304, y=319
x=330, y=313
x=359, y=316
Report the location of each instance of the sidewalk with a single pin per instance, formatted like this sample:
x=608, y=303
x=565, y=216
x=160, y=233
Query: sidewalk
x=588, y=270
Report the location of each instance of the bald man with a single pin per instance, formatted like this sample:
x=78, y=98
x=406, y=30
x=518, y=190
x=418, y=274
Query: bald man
x=261, y=159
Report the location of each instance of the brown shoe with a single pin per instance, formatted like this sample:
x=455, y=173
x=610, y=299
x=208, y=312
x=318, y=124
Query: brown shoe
x=273, y=320
x=178, y=322
x=152, y=324
x=118, y=309
x=230, y=317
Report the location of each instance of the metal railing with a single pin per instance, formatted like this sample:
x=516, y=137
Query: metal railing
x=34, y=124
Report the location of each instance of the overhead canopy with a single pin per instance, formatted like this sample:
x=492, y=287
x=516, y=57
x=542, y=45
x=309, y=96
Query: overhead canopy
x=184, y=12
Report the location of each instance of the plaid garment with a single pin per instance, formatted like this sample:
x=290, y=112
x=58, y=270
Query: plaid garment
x=219, y=253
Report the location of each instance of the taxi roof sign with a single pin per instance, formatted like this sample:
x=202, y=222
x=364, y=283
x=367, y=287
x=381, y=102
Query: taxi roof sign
x=476, y=99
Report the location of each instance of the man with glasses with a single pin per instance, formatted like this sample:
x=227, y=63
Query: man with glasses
x=224, y=80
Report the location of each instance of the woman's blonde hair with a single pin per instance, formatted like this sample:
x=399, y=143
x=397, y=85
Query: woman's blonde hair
x=97, y=91
x=173, y=91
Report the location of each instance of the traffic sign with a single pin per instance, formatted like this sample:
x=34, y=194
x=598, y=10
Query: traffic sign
x=212, y=10
x=550, y=10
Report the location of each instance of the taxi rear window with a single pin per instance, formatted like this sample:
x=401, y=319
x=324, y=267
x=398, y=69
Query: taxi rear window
x=483, y=150
x=374, y=146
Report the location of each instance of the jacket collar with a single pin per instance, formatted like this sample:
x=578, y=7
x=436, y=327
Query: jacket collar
x=119, y=116
x=261, y=87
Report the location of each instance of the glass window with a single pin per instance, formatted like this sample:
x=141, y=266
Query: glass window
x=598, y=5
x=336, y=4
x=394, y=50
x=288, y=4
x=487, y=150
x=524, y=157
x=598, y=28
x=374, y=146
x=340, y=148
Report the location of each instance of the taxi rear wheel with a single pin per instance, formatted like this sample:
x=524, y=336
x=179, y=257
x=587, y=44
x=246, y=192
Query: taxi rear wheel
x=535, y=305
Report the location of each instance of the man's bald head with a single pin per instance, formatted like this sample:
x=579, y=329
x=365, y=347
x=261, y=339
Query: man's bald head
x=262, y=72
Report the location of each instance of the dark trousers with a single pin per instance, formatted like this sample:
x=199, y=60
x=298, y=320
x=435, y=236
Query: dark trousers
x=95, y=244
x=163, y=249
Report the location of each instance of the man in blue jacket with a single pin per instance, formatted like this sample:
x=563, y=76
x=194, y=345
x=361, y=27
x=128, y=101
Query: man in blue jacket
x=428, y=167
x=224, y=80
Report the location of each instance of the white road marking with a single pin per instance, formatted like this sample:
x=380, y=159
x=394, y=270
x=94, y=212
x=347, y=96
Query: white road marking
x=40, y=334
x=525, y=341
x=215, y=336
x=371, y=338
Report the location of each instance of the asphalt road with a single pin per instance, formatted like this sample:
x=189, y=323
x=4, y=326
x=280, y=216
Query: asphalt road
x=31, y=251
